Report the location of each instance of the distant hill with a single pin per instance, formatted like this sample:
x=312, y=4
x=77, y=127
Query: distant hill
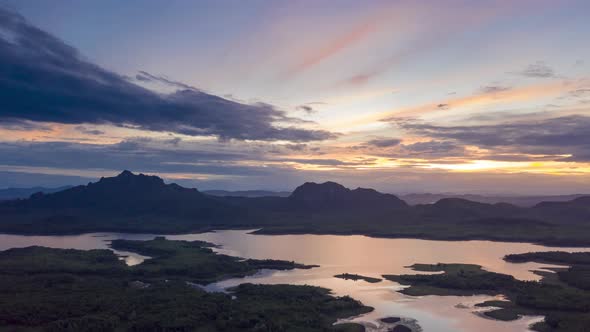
x=418, y=198
x=16, y=193
x=523, y=201
x=247, y=193
x=333, y=195
x=574, y=211
x=462, y=209
x=140, y=203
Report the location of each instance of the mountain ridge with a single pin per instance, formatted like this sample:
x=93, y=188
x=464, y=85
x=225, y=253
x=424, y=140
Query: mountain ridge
x=146, y=204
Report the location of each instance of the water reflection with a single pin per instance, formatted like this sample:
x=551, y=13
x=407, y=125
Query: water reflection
x=84, y=242
x=353, y=254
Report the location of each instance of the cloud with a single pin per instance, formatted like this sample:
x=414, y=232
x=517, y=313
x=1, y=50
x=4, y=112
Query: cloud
x=317, y=161
x=580, y=93
x=89, y=131
x=306, y=108
x=44, y=80
x=360, y=79
x=212, y=166
x=349, y=38
x=555, y=136
x=537, y=70
x=479, y=99
x=490, y=89
x=162, y=155
x=384, y=142
x=147, y=77
x=432, y=147
x=23, y=125
x=141, y=153
x=296, y=147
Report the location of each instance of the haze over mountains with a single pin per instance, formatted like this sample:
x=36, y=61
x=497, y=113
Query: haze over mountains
x=524, y=201
x=247, y=193
x=422, y=198
x=15, y=193
x=410, y=199
x=141, y=203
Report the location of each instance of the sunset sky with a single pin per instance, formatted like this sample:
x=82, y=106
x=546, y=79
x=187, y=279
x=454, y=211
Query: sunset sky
x=401, y=96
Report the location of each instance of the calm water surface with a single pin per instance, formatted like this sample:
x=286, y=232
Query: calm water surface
x=353, y=254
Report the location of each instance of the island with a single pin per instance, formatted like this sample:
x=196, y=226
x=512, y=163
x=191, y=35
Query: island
x=195, y=261
x=565, y=304
x=355, y=277
x=46, y=289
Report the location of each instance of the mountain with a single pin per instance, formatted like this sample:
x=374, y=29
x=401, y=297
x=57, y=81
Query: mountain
x=461, y=209
x=333, y=195
x=142, y=201
x=16, y=193
x=574, y=211
x=247, y=193
x=522, y=201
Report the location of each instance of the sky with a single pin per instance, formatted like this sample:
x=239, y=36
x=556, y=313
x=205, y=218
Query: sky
x=401, y=96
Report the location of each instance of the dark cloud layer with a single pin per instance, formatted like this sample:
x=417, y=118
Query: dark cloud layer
x=23, y=125
x=138, y=154
x=555, y=136
x=89, y=131
x=42, y=79
x=384, y=142
x=433, y=148
x=147, y=77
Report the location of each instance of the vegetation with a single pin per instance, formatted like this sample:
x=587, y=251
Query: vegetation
x=565, y=306
x=43, y=289
x=493, y=229
x=194, y=261
x=505, y=310
x=457, y=279
x=551, y=257
x=577, y=275
x=355, y=277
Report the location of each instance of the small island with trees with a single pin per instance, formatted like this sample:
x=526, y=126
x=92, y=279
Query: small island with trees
x=563, y=298
x=355, y=277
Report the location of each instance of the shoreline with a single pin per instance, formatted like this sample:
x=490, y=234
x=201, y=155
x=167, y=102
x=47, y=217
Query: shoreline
x=261, y=231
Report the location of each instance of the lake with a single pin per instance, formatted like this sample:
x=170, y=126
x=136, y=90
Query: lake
x=362, y=255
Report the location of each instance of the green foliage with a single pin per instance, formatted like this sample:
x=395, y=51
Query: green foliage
x=457, y=279
x=355, y=277
x=577, y=276
x=47, y=260
x=566, y=308
x=552, y=257
x=74, y=290
x=193, y=261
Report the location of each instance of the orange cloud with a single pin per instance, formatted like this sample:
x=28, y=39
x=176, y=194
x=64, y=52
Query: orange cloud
x=481, y=99
x=350, y=38
x=434, y=32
